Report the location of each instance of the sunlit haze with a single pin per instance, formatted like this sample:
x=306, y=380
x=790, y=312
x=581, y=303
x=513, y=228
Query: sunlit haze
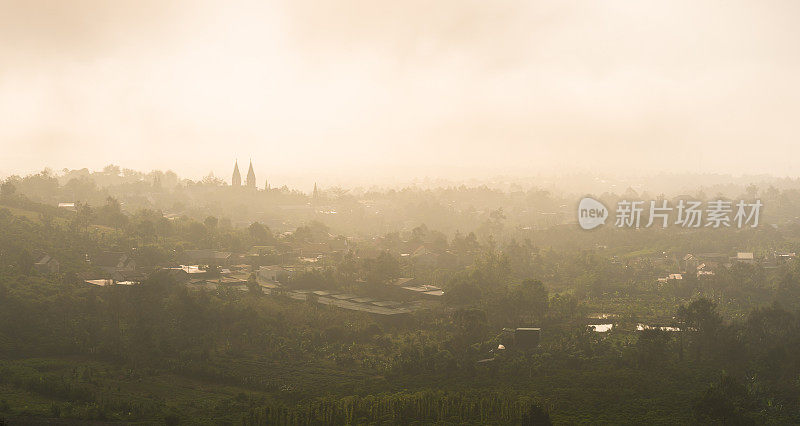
x=428, y=212
x=380, y=91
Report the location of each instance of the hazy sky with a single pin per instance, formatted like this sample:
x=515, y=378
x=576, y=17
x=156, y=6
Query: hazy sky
x=412, y=88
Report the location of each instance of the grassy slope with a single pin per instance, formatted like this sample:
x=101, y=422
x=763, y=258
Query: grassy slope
x=587, y=394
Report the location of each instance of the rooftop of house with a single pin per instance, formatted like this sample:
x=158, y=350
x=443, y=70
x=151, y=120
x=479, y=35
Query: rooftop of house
x=111, y=259
x=401, y=282
x=276, y=268
x=421, y=251
x=101, y=283
x=189, y=269
x=424, y=289
x=230, y=280
x=344, y=296
x=711, y=255
x=207, y=254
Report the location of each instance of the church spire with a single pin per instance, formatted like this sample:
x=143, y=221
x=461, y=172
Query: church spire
x=251, y=177
x=236, y=180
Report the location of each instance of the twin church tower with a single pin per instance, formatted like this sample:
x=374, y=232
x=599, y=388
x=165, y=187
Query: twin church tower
x=250, y=181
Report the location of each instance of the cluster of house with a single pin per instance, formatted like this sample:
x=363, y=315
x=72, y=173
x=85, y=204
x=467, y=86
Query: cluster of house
x=703, y=264
x=427, y=257
x=209, y=269
x=115, y=268
x=270, y=279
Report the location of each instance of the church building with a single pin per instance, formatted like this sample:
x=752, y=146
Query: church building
x=250, y=180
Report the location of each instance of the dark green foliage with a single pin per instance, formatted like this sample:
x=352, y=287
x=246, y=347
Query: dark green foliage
x=727, y=402
x=653, y=348
x=426, y=407
x=159, y=353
